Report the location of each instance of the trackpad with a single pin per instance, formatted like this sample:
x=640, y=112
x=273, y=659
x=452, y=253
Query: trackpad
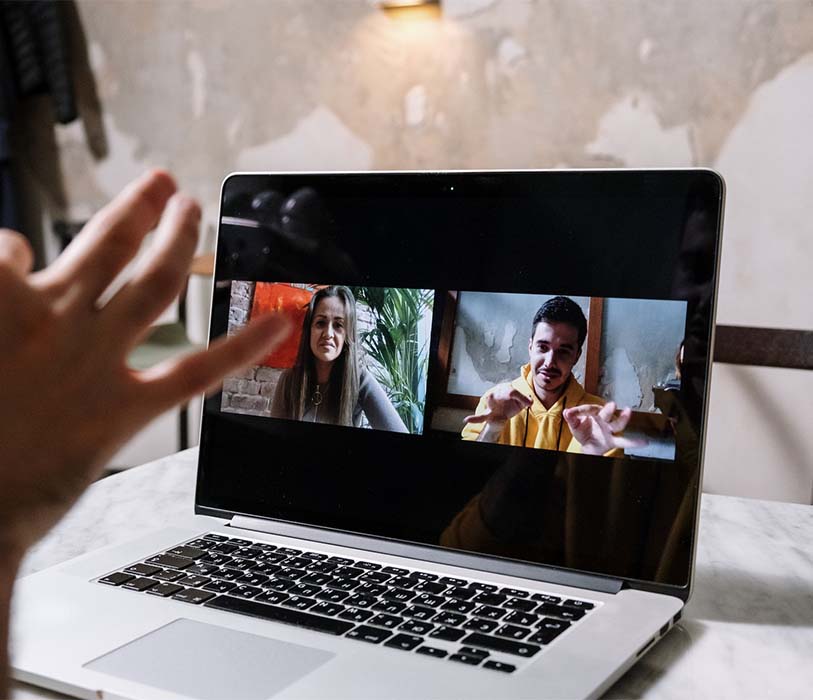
x=204, y=661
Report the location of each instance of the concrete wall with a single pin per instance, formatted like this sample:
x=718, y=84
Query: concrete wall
x=211, y=86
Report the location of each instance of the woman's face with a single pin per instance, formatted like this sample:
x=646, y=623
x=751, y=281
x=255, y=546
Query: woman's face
x=328, y=329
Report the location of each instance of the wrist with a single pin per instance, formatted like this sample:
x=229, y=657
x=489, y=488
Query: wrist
x=492, y=430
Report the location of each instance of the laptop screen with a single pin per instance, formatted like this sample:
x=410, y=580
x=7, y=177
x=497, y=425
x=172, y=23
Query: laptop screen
x=507, y=364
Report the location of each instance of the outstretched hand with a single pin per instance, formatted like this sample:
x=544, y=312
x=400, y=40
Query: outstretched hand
x=502, y=403
x=594, y=427
x=69, y=398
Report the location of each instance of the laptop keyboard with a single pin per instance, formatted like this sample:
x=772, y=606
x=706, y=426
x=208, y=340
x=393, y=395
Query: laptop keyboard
x=456, y=619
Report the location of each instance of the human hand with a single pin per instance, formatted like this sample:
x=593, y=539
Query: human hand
x=69, y=398
x=594, y=426
x=503, y=402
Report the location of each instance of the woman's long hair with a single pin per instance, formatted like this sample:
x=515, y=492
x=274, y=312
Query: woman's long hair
x=341, y=396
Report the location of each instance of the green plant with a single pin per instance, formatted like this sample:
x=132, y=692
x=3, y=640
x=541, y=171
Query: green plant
x=392, y=343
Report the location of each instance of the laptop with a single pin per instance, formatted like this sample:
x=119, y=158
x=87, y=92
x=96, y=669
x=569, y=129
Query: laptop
x=369, y=520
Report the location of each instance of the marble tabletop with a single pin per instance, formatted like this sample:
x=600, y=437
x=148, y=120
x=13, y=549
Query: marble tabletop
x=747, y=632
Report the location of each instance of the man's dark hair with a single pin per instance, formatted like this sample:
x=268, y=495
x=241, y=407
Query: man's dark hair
x=562, y=310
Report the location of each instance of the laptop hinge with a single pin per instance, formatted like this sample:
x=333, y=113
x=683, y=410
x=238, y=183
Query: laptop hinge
x=436, y=555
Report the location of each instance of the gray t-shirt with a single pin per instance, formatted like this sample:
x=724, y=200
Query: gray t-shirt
x=372, y=403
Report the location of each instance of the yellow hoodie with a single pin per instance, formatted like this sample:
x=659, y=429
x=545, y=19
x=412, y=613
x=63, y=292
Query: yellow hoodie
x=539, y=427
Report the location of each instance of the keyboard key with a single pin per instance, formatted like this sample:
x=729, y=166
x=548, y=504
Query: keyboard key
x=343, y=584
x=395, y=571
x=399, y=595
x=459, y=606
x=356, y=615
x=348, y=572
x=488, y=587
x=325, y=608
x=273, y=597
x=367, y=565
x=519, y=604
x=249, y=553
x=201, y=569
x=450, y=618
x=403, y=582
x=476, y=639
x=489, y=612
x=432, y=651
x=423, y=576
x=361, y=601
x=116, y=579
x=216, y=558
x=419, y=612
x=167, y=575
x=193, y=581
x=430, y=587
x=548, y=629
x=299, y=602
x=280, y=614
x=164, y=589
x=298, y=562
x=200, y=544
x=521, y=618
x=266, y=568
x=215, y=537
x=252, y=579
x=187, y=551
x=466, y=659
x=332, y=596
x=142, y=569
x=461, y=593
x=246, y=591
x=219, y=586
x=277, y=584
x=560, y=611
x=490, y=599
x=514, y=592
x=388, y=621
x=316, y=579
x=223, y=548
x=264, y=546
x=481, y=625
x=322, y=567
x=316, y=556
x=448, y=634
x=407, y=642
x=169, y=561
x=375, y=577
x=304, y=589
x=242, y=564
x=240, y=543
x=373, y=635
x=416, y=627
x=499, y=666
x=513, y=632
x=373, y=589
x=139, y=584
x=429, y=600
x=289, y=551
x=389, y=606
x=579, y=604
x=291, y=574
x=343, y=561
x=546, y=598
x=474, y=651
x=194, y=595
x=450, y=581
x=228, y=574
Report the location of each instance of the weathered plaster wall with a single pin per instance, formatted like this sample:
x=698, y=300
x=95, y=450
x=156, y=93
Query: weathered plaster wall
x=210, y=86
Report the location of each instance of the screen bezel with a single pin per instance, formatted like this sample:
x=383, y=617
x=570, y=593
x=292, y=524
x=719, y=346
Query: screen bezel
x=447, y=181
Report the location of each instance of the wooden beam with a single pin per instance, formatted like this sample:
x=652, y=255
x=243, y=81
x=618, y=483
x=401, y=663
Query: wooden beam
x=593, y=349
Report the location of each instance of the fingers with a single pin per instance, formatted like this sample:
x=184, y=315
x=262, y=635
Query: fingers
x=625, y=442
x=160, y=278
x=478, y=418
x=619, y=423
x=607, y=411
x=15, y=252
x=110, y=239
x=177, y=380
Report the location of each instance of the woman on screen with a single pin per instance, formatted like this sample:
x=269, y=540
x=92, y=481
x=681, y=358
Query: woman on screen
x=326, y=384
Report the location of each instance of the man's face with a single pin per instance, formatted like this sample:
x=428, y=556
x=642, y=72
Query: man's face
x=554, y=349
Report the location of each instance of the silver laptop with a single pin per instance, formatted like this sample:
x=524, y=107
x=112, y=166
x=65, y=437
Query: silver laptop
x=472, y=470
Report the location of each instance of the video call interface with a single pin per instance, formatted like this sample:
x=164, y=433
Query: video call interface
x=510, y=364
x=576, y=374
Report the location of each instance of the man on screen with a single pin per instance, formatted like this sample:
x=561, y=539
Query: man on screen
x=546, y=407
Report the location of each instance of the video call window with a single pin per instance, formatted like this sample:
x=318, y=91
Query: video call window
x=625, y=351
x=355, y=356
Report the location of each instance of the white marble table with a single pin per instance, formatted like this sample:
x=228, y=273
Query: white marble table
x=746, y=633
